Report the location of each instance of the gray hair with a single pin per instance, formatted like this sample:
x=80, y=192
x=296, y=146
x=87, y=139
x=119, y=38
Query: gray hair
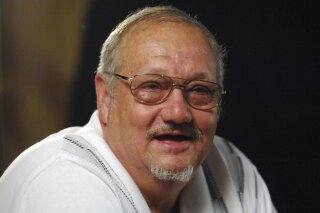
x=109, y=56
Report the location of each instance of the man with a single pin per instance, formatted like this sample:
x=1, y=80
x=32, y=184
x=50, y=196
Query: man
x=149, y=146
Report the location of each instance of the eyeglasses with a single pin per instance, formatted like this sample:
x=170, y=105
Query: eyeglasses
x=152, y=89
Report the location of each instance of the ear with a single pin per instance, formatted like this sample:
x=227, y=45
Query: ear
x=103, y=98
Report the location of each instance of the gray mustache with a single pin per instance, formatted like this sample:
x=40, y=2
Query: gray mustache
x=187, y=129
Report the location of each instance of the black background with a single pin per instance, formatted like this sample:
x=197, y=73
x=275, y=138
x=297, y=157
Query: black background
x=271, y=110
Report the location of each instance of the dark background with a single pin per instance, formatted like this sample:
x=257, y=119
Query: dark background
x=271, y=110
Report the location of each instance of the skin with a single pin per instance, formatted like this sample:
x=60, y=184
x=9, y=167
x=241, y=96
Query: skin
x=173, y=49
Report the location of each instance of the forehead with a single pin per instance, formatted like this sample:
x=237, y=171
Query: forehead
x=166, y=41
x=166, y=30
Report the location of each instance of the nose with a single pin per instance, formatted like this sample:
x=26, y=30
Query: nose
x=175, y=108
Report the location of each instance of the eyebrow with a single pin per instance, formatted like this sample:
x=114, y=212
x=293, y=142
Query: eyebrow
x=204, y=75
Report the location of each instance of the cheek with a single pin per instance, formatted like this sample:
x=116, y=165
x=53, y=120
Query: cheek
x=141, y=116
x=207, y=123
x=136, y=120
x=129, y=122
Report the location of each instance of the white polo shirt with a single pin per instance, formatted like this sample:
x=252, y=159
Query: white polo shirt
x=75, y=171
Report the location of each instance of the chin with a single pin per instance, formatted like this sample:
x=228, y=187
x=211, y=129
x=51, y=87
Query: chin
x=176, y=175
x=174, y=169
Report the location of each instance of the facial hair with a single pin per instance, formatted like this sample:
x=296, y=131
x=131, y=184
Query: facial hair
x=172, y=175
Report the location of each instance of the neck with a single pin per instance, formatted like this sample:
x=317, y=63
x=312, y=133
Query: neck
x=161, y=196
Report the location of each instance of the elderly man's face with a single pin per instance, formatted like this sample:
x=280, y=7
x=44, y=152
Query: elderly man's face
x=144, y=136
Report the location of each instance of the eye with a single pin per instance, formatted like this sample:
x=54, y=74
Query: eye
x=200, y=89
x=151, y=85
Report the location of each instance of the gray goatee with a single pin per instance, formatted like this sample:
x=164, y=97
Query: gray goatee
x=172, y=175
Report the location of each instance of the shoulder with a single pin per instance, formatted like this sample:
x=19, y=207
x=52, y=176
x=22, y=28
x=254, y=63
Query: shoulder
x=64, y=186
x=48, y=178
x=232, y=156
x=32, y=158
x=253, y=192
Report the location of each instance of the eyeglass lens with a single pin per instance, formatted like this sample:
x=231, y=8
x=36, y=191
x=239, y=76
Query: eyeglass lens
x=154, y=89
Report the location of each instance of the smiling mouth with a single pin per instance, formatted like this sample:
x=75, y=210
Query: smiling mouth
x=173, y=143
x=170, y=133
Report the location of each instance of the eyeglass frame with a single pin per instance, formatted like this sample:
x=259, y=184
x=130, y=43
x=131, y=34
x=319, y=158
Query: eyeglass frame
x=173, y=85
